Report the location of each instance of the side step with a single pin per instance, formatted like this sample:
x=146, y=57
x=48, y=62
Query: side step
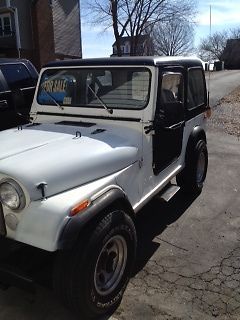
x=168, y=192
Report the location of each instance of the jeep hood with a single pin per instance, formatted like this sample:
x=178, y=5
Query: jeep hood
x=61, y=156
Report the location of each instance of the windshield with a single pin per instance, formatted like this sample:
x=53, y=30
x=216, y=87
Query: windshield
x=117, y=88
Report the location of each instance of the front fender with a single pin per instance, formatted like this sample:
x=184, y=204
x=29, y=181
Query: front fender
x=42, y=223
x=76, y=224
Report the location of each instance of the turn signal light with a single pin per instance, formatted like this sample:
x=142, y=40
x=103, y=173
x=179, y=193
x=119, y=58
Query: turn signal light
x=79, y=207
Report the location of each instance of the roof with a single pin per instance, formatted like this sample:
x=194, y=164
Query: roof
x=141, y=39
x=136, y=61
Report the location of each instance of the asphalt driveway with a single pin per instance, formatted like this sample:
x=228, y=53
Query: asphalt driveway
x=189, y=255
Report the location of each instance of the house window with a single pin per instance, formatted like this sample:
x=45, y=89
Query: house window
x=5, y=25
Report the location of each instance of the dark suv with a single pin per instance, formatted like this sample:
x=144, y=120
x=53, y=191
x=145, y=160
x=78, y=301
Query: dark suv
x=18, y=79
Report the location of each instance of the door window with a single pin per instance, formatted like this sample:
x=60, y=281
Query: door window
x=172, y=96
x=196, y=88
x=172, y=88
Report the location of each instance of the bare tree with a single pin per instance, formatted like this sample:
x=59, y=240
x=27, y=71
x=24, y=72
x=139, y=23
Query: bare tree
x=234, y=33
x=173, y=38
x=212, y=47
x=134, y=18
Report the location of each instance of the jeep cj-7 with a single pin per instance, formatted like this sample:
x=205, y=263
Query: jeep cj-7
x=106, y=136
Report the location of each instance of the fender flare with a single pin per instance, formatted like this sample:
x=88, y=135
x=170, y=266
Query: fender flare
x=198, y=133
x=76, y=224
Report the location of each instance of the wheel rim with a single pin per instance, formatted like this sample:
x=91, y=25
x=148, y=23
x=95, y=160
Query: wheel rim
x=201, y=167
x=110, y=265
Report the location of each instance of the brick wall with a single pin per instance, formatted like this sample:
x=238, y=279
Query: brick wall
x=42, y=19
x=56, y=30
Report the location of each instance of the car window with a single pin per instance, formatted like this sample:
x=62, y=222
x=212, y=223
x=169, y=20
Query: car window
x=119, y=88
x=171, y=97
x=172, y=87
x=196, y=88
x=17, y=76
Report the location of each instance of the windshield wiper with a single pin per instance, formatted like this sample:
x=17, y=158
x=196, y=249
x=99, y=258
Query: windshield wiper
x=100, y=100
x=52, y=98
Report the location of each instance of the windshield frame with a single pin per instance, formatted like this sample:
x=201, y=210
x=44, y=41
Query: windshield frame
x=95, y=106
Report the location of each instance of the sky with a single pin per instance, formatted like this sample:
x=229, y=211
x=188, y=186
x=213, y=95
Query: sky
x=225, y=15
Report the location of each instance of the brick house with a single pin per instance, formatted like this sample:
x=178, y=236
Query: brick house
x=144, y=46
x=40, y=30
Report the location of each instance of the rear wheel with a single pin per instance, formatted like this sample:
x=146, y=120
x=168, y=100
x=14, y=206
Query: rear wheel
x=91, y=279
x=192, y=177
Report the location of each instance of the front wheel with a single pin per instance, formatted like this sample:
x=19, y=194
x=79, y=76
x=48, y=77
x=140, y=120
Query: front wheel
x=93, y=277
x=192, y=177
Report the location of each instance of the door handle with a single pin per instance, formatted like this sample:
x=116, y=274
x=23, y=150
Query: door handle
x=175, y=126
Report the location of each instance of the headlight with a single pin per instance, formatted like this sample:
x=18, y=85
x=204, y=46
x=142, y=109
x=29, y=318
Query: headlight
x=11, y=195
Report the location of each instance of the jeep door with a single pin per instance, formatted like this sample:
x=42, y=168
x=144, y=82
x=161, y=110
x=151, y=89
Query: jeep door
x=169, y=118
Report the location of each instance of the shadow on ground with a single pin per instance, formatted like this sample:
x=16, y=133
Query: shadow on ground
x=153, y=219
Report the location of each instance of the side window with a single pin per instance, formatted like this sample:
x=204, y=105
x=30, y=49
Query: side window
x=172, y=88
x=196, y=88
x=172, y=97
x=17, y=76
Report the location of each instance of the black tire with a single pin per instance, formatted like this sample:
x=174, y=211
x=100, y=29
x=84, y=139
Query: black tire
x=192, y=178
x=92, y=277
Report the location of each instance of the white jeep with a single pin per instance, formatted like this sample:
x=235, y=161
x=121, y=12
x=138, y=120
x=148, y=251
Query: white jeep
x=106, y=136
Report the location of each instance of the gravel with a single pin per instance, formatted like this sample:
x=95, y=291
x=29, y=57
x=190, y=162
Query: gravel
x=226, y=114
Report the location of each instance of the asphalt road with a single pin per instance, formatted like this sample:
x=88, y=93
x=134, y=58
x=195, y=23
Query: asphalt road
x=188, y=262
x=222, y=83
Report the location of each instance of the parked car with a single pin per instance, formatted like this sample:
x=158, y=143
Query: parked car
x=107, y=136
x=18, y=79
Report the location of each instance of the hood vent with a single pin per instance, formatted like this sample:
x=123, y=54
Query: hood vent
x=98, y=131
x=77, y=124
